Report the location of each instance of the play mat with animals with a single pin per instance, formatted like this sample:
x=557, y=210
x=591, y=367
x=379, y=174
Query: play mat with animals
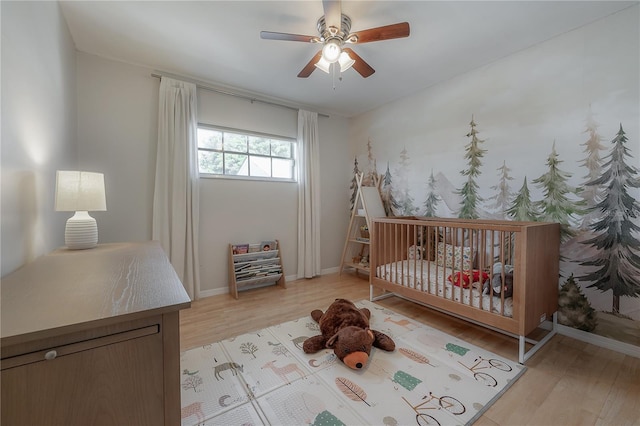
x=265, y=377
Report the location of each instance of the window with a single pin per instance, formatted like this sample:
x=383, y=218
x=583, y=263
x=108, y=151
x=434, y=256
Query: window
x=227, y=152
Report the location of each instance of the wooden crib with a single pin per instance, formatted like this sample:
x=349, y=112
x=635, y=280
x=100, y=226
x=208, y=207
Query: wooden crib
x=461, y=267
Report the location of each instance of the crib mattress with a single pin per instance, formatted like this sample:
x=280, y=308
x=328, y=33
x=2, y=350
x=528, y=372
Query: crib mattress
x=431, y=278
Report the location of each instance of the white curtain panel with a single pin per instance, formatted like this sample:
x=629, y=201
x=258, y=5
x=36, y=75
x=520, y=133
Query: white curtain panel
x=176, y=195
x=308, y=195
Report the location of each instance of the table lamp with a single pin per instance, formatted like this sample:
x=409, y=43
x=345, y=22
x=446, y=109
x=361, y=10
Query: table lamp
x=80, y=192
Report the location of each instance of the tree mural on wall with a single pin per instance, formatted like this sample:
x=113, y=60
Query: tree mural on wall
x=388, y=200
x=371, y=178
x=555, y=206
x=574, y=308
x=603, y=255
x=432, y=201
x=503, y=197
x=469, y=190
x=523, y=208
x=404, y=198
x=354, y=185
x=617, y=259
x=591, y=194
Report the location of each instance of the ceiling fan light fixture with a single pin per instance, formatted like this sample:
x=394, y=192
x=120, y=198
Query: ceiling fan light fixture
x=323, y=65
x=331, y=51
x=345, y=61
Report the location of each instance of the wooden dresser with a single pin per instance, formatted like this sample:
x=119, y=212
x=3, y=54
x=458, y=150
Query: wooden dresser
x=91, y=337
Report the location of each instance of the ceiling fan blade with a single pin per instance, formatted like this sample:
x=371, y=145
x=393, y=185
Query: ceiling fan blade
x=311, y=66
x=269, y=35
x=332, y=13
x=363, y=68
x=383, y=33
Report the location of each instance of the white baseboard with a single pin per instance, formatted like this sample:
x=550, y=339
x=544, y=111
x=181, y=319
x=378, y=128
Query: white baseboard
x=225, y=290
x=213, y=292
x=604, y=342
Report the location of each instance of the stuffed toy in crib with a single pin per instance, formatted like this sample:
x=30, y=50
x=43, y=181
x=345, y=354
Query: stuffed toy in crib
x=469, y=277
x=496, y=281
x=345, y=329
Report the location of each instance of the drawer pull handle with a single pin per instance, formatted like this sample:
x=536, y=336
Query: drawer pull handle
x=50, y=355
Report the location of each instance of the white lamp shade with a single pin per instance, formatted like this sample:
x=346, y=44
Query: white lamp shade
x=323, y=65
x=80, y=191
x=345, y=61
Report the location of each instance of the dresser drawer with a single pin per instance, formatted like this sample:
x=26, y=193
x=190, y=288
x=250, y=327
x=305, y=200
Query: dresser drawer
x=115, y=379
x=53, y=353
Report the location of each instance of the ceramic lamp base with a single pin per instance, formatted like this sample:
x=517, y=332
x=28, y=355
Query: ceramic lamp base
x=81, y=231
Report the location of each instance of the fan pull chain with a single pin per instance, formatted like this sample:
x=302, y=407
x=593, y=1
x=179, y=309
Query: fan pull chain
x=335, y=66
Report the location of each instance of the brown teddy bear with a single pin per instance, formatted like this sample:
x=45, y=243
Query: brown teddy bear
x=345, y=329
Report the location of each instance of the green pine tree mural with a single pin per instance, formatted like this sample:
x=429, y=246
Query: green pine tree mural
x=371, y=178
x=469, y=190
x=574, y=309
x=555, y=205
x=354, y=185
x=388, y=200
x=617, y=261
x=523, y=208
x=503, y=197
x=432, y=201
x=591, y=195
x=406, y=205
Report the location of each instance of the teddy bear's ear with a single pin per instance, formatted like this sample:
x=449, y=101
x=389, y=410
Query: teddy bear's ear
x=332, y=341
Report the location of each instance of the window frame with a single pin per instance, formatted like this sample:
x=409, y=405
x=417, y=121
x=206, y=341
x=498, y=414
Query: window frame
x=250, y=133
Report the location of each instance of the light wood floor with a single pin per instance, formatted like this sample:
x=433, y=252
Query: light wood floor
x=568, y=382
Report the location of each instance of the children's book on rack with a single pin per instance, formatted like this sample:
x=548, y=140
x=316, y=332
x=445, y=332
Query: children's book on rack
x=255, y=265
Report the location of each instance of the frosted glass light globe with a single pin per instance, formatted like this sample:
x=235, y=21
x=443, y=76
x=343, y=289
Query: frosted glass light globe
x=331, y=51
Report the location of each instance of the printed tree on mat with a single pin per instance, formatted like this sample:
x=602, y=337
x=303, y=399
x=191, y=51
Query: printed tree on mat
x=617, y=260
x=192, y=382
x=327, y=418
x=591, y=194
x=431, y=203
x=469, y=190
x=249, y=348
x=555, y=206
x=523, y=208
x=503, y=191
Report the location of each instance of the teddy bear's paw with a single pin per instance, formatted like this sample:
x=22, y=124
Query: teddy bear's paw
x=383, y=341
x=313, y=344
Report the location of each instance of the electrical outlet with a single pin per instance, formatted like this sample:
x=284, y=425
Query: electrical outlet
x=543, y=317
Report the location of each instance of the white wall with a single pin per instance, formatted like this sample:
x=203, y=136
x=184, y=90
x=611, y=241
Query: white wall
x=237, y=211
x=38, y=127
x=117, y=135
x=117, y=132
x=241, y=211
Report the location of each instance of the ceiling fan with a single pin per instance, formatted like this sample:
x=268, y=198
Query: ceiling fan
x=335, y=32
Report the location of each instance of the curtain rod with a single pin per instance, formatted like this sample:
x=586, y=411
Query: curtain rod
x=238, y=95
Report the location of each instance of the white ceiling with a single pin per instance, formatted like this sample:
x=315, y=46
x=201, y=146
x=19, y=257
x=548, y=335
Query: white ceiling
x=219, y=42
